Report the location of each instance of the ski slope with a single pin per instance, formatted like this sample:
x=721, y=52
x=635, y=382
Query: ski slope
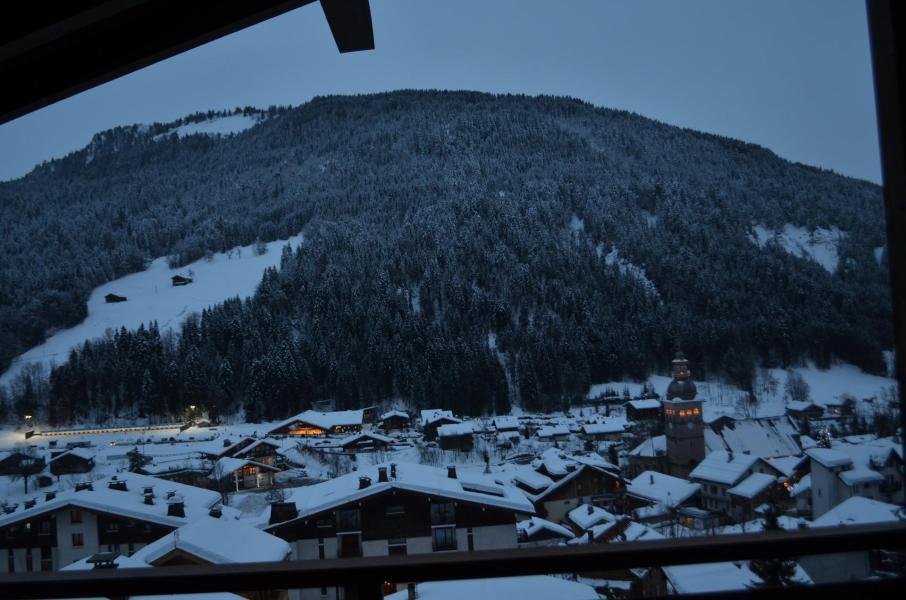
x=151, y=297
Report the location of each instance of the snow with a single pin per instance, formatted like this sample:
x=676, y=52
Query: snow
x=663, y=489
x=652, y=447
x=394, y=413
x=723, y=467
x=821, y=245
x=214, y=127
x=365, y=435
x=586, y=516
x=646, y=404
x=411, y=477
x=435, y=414
x=768, y=437
x=534, y=587
x=710, y=577
x=603, y=428
x=152, y=297
x=506, y=422
x=860, y=511
x=829, y=457
x=456, y=429
x=325, y=420
x=879, y=254
x=532, y=479
x=627, y=268
x=752, y=485
x=218, y=541
x=536, y=525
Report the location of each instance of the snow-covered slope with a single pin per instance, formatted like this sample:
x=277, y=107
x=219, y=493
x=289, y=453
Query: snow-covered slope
x=215, y=126
x=152, y=297
x=819, y=245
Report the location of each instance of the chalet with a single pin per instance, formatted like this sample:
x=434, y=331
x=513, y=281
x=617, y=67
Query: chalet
x=650, y=455
x=186, y=470
x=261, y=451
x=853, y=565
x=558, y=483
x=113, y=515
x=722, y=471
x=314, y=423
x=643, y=409
x=70, y=462
x=557, y=432
x=506, y=423
x=872, y=470
x=180, y=280
x=611, y=431
x=22, y=464
x=541, y=532
x=651, y=488
x=802, y=412
x=394, y=508
x=432, y=419
x=242, y=474
x=113, y=298
x=456, y=436
x=767, y=437
x=365, y=441
x=394, y=420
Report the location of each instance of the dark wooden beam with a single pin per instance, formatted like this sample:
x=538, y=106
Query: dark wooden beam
x=56, y=50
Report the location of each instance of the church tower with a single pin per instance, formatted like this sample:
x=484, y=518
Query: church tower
x=684, y=426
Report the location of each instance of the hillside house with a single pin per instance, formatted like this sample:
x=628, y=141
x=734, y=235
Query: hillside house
x=236, y=474
x=431, y=419
x=180, y=280
x=314, y=423
x=71, y=462
x=643, y=409
x=394, y=420
x=113, y=298
x=456, y=436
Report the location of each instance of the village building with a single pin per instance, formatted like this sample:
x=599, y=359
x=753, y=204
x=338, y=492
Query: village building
x=263, y=451
x=554, y=432
x=802, y=412
x=180, y=280
x=235, y=474
x=365, y=441
x=722, y=471
x=314, y=423
x=536, y=531
x=643, y=409
x=855, y=565
x=456, y=436
x=872, y=470
x=505, y=423
x=75, y=461
x=394, y=420
x=767, y=437
x=108, y=515
x=652, y=488
x=431, y=419
x=650, y=455
x=114, y=298
x=397, y=509
x=557, y=483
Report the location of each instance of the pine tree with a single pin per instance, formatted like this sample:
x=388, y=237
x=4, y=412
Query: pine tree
x=774, y=572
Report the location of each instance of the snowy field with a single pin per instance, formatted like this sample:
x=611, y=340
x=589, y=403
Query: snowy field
x=152, y=297
x=215, y=127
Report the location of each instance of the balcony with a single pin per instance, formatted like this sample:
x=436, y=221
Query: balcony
x=365, y=577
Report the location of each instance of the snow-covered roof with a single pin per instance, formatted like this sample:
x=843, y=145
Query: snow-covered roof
x=535, y=525
x=366, y=435
x=618, y=530
x=128, y=504
x=723, y=467
x=532, y=479
x=83, y=453
x=552, y=430
x=533, y=587
x=787, y=464
x=218, y=541
x=801, y=486
x=122, y=562
x=859, y=510
x=800, y=406
x=433, y=415
x=764, y=437
x=644, y=404
x=456, y=429
x=752, y=485
x=325, y=420
x=586, y=515
x=828, y=457
x=411, y=477
x=506, y=422
x=757, y=525
x=228, y=464
x=664, y=489
x=394, y=413
x=651, y=448
x=602, y=428
x=710, y=577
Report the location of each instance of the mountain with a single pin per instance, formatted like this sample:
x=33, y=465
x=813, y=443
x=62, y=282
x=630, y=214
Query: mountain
x=462, y=250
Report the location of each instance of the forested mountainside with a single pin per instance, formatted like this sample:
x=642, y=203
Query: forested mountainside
x=462, y=250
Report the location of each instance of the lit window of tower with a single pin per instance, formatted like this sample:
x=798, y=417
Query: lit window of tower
x=683, y=423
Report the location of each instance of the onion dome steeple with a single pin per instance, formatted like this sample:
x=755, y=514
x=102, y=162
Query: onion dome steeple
x=682, y=386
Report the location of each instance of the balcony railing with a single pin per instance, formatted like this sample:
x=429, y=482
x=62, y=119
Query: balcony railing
x=366, y=575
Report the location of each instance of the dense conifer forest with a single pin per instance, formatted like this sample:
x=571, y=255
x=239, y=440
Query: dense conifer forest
x=463, y=250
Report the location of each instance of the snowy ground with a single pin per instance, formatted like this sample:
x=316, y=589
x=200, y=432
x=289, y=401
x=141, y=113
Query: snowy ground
x=215, y=126
x=152, y=297
x=819, y=245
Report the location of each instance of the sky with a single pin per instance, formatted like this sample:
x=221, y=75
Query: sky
x=792, y=75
